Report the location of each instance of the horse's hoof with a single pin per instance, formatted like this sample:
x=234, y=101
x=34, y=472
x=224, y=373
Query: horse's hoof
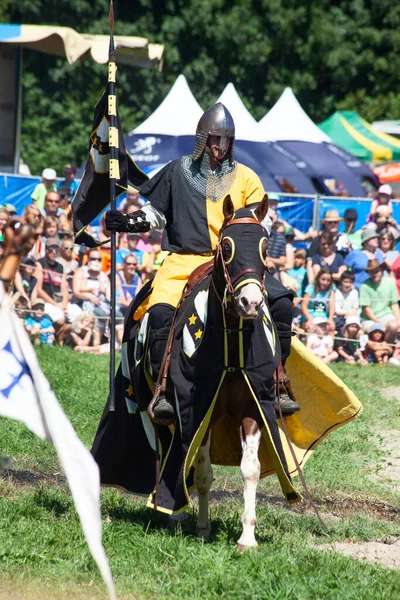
x=203, y=532
x=241, y=548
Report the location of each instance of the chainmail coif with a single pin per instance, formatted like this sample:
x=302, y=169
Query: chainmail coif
x=211, y=185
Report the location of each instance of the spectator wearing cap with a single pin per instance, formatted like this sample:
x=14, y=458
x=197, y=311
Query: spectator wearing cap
x=273, y=201
x=330, y=224
x=10, y=208
x=49, y=177
x=382, y=198
x=52, y=287
x=357, y=260
x=377, y=350
x=379, y=301
x=132, y=240
x=153, y=260
x=68, y=186
x=348, y=349
x=25, y=282
x=39, y=326
x=321, y=342
x=383, y=219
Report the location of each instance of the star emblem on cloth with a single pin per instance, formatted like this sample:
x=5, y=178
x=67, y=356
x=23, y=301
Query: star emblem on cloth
x=129, y=390
x=198, y=334
x=192, y=320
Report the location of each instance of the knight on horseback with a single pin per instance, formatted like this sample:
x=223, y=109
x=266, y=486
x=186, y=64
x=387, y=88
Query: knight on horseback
x=186, y=198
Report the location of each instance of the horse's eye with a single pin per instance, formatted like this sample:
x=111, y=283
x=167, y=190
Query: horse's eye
x=228, y=251
x=227, y=247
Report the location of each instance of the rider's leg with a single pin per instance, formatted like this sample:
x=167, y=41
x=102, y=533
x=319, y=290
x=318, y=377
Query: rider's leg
x=161, y=316
x=281, y=313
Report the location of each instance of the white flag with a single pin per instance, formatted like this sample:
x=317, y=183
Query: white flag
x=25, y=395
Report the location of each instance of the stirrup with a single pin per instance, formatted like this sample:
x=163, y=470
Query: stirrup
x=285, y=398
x=161, y=411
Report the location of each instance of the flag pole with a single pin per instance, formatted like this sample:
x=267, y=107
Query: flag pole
x=114, y=176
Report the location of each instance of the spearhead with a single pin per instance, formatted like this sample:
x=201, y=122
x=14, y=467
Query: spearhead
x=111, y=16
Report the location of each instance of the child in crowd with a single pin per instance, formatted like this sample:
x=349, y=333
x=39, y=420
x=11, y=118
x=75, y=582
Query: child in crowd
x=346, y=300
x=39, y=326
x=349, y=350
x=320, y=342
x=21, y=306
x=299, y=271
x=319, y=300
x=376, y=349
x=383, y=198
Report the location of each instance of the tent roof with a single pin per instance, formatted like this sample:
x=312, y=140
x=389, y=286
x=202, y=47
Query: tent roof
x=178, y=114
x=246, y=127
x=68, y=43
x=354, y=134
x=287, y=121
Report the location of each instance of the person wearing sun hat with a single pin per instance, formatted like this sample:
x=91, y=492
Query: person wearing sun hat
x=330, y=224
x=379, y=301
x=348, y=349
x=357, y=260
x=320, y=342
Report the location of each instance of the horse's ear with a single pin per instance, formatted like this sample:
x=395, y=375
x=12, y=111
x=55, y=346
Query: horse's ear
x=262, y=209
x=228, y=209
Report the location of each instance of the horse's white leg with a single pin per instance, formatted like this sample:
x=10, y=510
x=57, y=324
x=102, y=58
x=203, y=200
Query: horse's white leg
x=203, y=476
x=250, y=469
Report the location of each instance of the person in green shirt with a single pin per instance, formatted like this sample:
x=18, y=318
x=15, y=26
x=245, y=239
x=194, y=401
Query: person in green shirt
x=379, y=302
x=48, y=185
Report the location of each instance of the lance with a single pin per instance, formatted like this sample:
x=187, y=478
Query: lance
x=114, y=176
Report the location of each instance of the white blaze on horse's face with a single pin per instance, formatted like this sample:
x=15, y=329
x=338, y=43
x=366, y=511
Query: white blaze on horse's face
x=249, y=301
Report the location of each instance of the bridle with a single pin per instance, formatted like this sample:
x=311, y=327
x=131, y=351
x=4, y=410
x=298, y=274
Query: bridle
x=230, y=281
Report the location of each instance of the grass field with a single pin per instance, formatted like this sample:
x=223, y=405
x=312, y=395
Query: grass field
x=43, y=554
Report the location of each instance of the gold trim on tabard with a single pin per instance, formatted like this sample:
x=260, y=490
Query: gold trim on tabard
x=112, y=70
x=113, y=137
x=112, y=105
x=114, y=169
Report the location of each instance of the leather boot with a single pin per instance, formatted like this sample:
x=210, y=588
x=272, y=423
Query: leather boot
x=285, y=399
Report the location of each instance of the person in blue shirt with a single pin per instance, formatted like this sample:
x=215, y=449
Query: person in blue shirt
x=132, y=241
x=39, y=326
x=357, y=260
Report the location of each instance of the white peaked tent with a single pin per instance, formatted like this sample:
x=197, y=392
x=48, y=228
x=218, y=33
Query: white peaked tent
x=178, y=113
x=287, y=121
x=246, y=127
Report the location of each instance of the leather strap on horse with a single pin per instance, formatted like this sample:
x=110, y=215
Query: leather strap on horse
x=296, y=462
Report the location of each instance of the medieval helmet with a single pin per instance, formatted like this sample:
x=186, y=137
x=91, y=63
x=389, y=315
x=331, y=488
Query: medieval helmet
x=217, y=120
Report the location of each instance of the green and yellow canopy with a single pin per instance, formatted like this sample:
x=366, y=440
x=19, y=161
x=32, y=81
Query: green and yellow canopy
x=352, y=133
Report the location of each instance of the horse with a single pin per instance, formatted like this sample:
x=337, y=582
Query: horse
x=223, y=351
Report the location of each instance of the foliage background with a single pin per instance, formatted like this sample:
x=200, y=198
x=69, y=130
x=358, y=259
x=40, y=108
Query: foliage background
x=335, y=54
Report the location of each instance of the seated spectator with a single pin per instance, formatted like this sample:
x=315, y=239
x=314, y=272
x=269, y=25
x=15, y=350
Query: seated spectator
x=39, y=326
x=68, y=187
x=4, y=216
x=383, y=219
x=52, y=209
x=52, y=288
x=330, y=224
x=25, y=282
x=128, y=282
x=33, y=217
x=376, y=349
x=357, y=260
x=84, y=332
x=299, y=271
x=395, y=273
x=276, y=258
x=382, y=198
x=67, y=260
x=10, y=208
x=320, y=342
x=91, y=288
x=346, y=300
x=395, y=358
x=319, y=300
x=350, y=223
x=50, y=228
x=327, y=258
x=49, y=177
x=105, y=248
x=131, y=249
x=349, y=350
x=387, y=246
x=290, y=235
x=379, y=302
x=132, y=202
x=153, y=260
x=21, y=307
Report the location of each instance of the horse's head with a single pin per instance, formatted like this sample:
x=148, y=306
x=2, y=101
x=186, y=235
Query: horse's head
x=241, y=256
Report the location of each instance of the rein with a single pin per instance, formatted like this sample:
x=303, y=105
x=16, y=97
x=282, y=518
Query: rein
x=230, y=281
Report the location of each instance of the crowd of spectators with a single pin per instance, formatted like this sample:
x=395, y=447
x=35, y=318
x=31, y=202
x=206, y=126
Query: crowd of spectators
x=346, y=281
